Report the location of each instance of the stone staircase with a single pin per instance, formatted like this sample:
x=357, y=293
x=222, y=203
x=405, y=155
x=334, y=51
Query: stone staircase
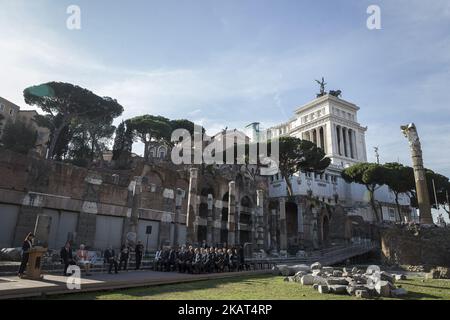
x=329, y=256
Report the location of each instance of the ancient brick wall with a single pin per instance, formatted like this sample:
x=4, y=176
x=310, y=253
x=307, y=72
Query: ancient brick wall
x=414, y=245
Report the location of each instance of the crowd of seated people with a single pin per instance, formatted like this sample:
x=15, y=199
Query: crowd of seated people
x=189, y=259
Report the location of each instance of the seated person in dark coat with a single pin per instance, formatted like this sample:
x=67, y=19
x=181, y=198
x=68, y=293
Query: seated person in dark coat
x=234, y=260
x=164, y=259
x=197, y=261
x=66, y=255
x=219, y=260
x=171, y=260
x=188, y=260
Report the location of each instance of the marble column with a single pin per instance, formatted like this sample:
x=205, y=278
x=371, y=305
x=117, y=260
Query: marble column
x=210, y=221
x=192, y=212
x=334, y=145
x=217, y=221
x=324, y=136
x=259, y=217
x=350, y=144
x=345, y=141
x=300, y=223
x=341, y=141
x=232, y=213
x=283, y=227
x=273, y=230
x=319, y=142
x=178, y=204
x=355, y=146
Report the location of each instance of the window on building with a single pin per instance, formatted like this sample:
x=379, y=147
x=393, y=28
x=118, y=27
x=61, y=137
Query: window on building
x=2, y=107
x=391, y=213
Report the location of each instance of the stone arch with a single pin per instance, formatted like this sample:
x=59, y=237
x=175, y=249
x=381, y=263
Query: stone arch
x=325, y=231
x=152, y=152
x=239, y=181
x=246, y=209
x=292, y=225
x=162, y=152
x=225, y=199
x=154, y=177
x=245, y=217
x=206, y=190
x=152, y=183
x=203, y=210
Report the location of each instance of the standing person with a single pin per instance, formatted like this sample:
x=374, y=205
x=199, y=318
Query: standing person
x=219, y=260
x=66, y=256
x=234, y=260
x=189, y=257
x=226, y=260
x=110, y=258
x=124, y=256
x=26, y=246
x=157, y=260
x=139, y=253
x=181, y=259
x=242, y=265
x=213, y=259
x=83, y=259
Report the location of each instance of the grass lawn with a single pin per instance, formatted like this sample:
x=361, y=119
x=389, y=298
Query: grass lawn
x=262, y=287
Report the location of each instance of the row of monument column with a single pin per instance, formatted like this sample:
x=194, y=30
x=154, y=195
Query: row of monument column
x=345, y=142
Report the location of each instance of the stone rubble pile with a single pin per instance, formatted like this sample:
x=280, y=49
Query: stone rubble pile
x=438, y=273
x=354, y=282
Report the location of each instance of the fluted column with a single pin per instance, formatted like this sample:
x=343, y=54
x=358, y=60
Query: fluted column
x=192, y=212
x=355, y=146
x=209, y=224
x=334, y=140
x=178, y=205
x=341, y=141
x=259, y=217
x=319, y=141
x=345, y=141
x=350, y=143
x=231, y=213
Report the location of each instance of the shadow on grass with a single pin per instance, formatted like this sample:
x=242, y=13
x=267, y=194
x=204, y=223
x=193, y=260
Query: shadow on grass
x=171, y=288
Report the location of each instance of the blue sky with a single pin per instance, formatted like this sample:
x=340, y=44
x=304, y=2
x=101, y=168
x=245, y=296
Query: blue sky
x=230, y=63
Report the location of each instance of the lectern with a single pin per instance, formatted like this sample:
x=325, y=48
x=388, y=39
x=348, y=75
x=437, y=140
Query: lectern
x=41, y=233
x=34, y=263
